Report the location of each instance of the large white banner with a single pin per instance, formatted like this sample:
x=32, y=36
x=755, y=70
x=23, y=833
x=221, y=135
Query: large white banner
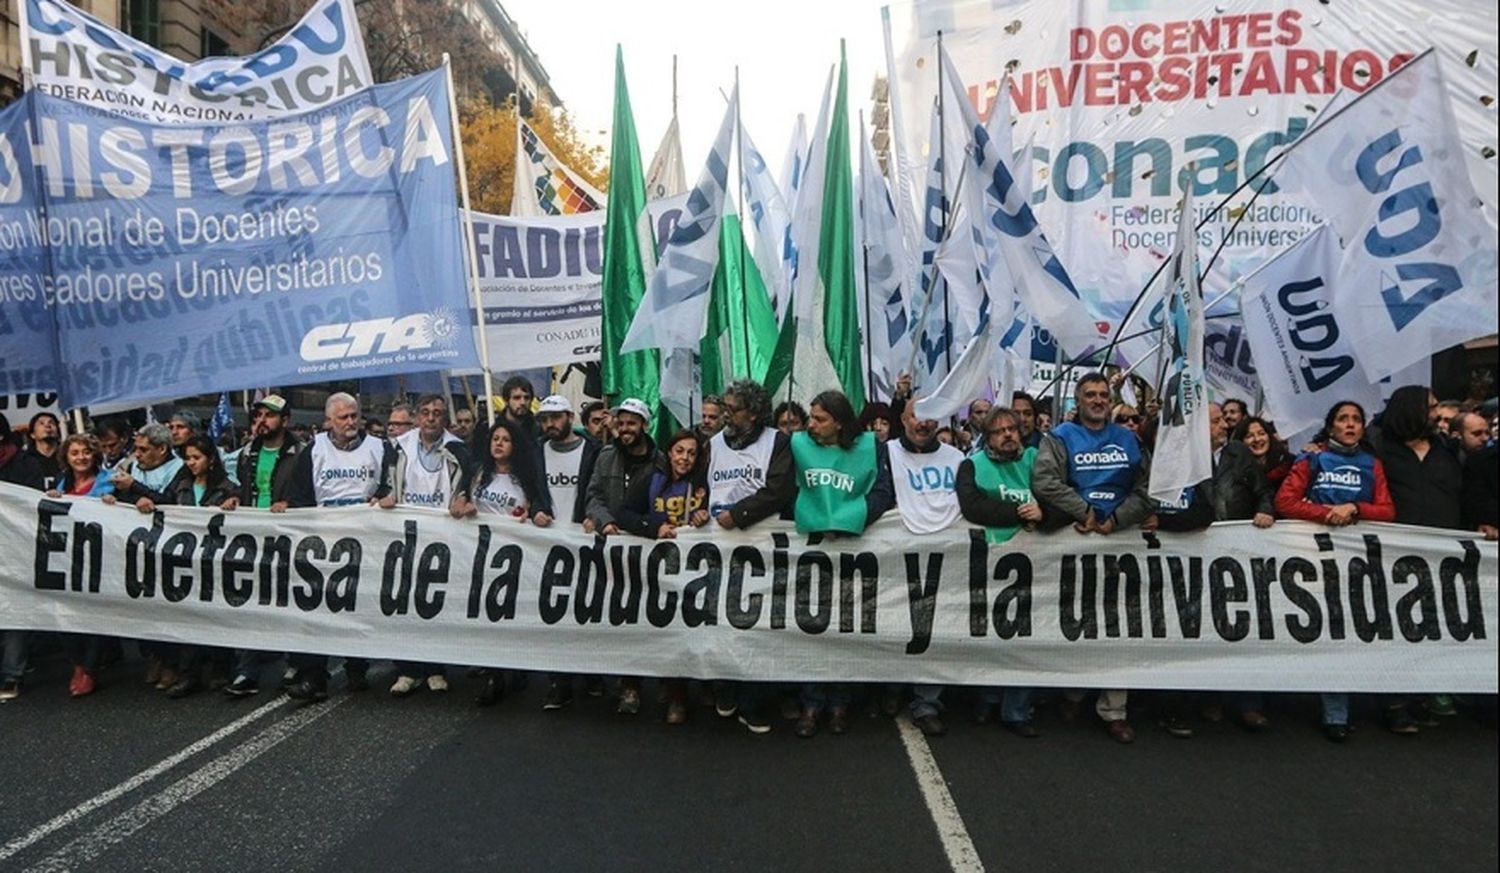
x=1121, y=96
x=68, y=53
x=1294, y=608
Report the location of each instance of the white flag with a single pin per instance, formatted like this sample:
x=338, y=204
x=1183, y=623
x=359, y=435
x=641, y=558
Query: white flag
x=931, y=330
x=666, y=176
x=543, y=185
x=1304, y=355
x=794, y=164
x=969, y=378
x=674, y=312
x=887, y=282
x=772, y=220
x=1183, y=456
x=1419, y=267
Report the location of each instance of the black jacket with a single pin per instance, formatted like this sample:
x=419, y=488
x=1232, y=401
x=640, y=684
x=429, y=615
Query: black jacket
x=180, y=490
x=1241, y=488
x=634, y=516
x=1478, y=497
x=1198, y=515
x=1427, y=491
x=26, y=470
x=281, y=474
x=302, y=491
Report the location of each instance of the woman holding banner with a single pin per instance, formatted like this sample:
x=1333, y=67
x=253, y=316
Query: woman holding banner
x=1339, y=484
x=83, y=464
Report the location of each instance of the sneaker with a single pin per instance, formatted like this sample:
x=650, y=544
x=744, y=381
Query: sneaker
x=167, y=678
x=437, y=683
x=1175, y=726
x=725, y=705
x=187, y=686
x=755, y=723
x=677, y=712
x=309, y=690
x=10, y=689
x=1024, y=729
x=630, y=701
x=930, y=725
x=1441, y=704
x=242, y=686
x=593, y=686
x=558, y=696
x=403, y=686
x=1120, y=732
x=288, y=678
x=83, y=683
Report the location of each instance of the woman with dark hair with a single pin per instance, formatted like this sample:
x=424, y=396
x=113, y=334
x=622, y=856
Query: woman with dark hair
x=843, y=484
x=790, y=417
x=82, y=476
x=1266, y=446
x=1425, y=476
x=1339, y=484
x=876, y=418
x=506, y=480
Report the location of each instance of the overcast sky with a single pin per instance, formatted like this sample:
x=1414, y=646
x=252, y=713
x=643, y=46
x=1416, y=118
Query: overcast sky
x=783, y=48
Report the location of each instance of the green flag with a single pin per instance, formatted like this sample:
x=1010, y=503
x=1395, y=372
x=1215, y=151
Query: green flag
x=836, y=261
x=627, y=240
x=741, y=320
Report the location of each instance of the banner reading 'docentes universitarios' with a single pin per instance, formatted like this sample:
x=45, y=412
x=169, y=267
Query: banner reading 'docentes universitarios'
x=68, y=53
x=1372, y=608
x=183, y=259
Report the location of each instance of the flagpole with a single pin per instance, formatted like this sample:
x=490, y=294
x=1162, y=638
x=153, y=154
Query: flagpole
x=468, y=226
x=864, y=217
x=943, y=183
x=739, y=212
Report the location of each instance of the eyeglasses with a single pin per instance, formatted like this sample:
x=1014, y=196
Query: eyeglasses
x=1128, y=419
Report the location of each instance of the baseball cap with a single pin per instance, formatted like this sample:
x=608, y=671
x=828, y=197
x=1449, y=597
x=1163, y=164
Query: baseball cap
x=635, y=407
x=554, y=403
x=272, y=403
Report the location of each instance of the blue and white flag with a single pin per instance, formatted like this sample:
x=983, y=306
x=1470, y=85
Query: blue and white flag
x=794, y=163
x=188, y=259
x=28, y=354
x=1419, y=268
x=223, y=418
x=887, y=276
x=674, y=312
x=1305, y=356
x=1183, y=455
x=772, y=219
x=931, y=330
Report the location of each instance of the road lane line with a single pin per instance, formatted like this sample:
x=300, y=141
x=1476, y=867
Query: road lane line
x=84, y=849
x=19, y=844
x=957, y=845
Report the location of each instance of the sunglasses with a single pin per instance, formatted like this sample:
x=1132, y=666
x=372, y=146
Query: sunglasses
x=1128, y=419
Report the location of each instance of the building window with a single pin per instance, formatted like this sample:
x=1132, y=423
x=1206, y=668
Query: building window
x=214, y=46
x=142, y=19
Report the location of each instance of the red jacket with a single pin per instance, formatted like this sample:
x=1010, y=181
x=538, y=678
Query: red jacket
x=1292, y=502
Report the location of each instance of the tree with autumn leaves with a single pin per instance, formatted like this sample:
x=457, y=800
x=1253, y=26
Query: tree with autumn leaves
x=489, y=135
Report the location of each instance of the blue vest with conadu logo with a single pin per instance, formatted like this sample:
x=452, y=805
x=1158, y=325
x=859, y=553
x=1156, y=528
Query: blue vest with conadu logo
x=1336, y=478
x=1102, y=464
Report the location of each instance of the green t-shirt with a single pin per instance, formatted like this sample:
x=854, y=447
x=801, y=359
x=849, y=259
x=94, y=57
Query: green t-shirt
x=1010, y=482
x=198, y=491
x=832, y=483
x=265, y=464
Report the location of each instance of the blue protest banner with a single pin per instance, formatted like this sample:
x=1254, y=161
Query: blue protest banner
x=28, y=359
x=191, y=259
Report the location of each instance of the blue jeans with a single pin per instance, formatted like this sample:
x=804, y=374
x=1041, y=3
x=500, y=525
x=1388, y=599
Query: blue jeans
x=818, y=695
x=13, y=645
x=1335, y=708
x=925, y=700
x=1015, y=705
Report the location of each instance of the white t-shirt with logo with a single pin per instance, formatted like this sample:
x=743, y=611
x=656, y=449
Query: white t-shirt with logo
x=343, y=478
x=502, y=495
x=562, y=476
x=926, y=495
x=422, y=485
x=734, y=474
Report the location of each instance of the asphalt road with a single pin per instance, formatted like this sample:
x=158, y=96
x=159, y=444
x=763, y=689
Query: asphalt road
x=128, y=780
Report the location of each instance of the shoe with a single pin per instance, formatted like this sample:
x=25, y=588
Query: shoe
x=1213, y=713
x=790, y=708
x=1068, y=709
x=153, y=671
x=10, y=689
x=187, y=686
x=288, y=678
x=755, y=723
x=242, y=686
x=493, y=690
x=593, y=686
x=807, y=724
x=356, y=680
x=838, y=721
x=309, y=690
x=167, y=678
x=677, y=713
x=558, y=696
x=890, y=703
x=217, y=681
x=1442, y=705
x=1120, y=732
x=1398, y=720
x=1176, y=727
x=1254, y=721
x=724, y=702
x=83, y=683
x=403, y=686
x=930, y=725
x=74, y=679
x=1024, y=729
x=630, y=701
x=1336, y=733
x=437, y=683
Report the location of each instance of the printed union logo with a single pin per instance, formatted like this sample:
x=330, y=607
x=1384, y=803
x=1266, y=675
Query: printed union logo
x=1110, y=455
x=355, y=339
x=1344, y=477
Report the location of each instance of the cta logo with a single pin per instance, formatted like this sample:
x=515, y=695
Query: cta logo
x=356, y=339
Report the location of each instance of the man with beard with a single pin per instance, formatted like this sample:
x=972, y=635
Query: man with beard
x=45, y=434
x=750, y=478
x=713, y=417
x=924, y=473
x=567, y=458
x=597, y=421
x=518, y=394
x=1094, y=474
x=463, y=422
x=265, y=476
x=1478, y=499
x=1024, y=407
x=344, y=466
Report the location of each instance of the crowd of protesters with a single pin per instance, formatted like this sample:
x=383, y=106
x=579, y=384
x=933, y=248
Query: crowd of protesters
x=1005, y=468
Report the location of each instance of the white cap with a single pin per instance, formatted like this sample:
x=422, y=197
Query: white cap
x=635, y=407
x=554, y=403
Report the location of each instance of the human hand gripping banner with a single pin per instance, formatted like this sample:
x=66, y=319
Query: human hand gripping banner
x=1298, y=607
x=186, y=259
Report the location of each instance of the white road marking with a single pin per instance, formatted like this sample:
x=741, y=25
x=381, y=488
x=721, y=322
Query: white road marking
x=84, y=849
x=19, y=844
x=957, y=845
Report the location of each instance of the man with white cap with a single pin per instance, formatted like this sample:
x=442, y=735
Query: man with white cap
x=567, y=457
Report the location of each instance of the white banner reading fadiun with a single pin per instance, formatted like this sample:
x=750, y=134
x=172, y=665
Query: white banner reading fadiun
x=1296, y=608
